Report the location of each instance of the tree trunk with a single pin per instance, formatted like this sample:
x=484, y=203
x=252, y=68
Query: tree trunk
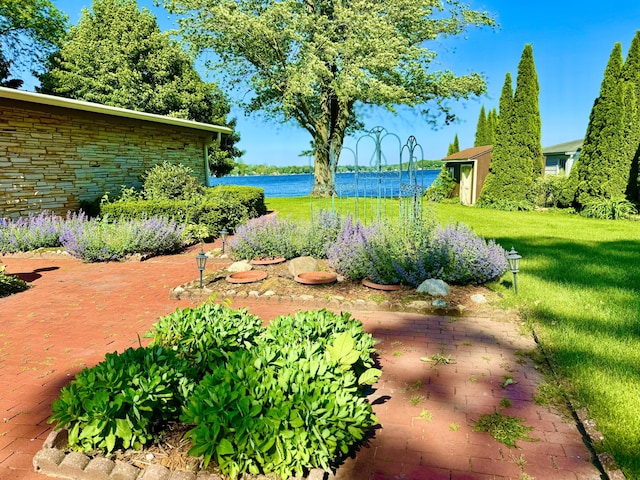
x=328, y=139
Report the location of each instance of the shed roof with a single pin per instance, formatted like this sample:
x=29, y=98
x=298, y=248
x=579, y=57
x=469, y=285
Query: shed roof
x=469, y=153
x=72, y=104
x=567, y=147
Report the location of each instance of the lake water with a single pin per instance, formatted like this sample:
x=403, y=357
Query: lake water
x=387, y=185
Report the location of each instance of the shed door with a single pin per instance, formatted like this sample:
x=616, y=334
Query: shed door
x=466, y=184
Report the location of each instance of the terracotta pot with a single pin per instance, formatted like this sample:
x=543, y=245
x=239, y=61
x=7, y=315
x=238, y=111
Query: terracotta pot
x=267, y=261
x=316, y=278
x=380, y=286
x=247, y=277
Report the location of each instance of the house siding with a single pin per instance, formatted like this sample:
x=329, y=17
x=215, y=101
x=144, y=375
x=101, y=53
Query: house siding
x=54, y=158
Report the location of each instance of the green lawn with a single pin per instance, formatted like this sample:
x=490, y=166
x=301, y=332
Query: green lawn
x=579, y=285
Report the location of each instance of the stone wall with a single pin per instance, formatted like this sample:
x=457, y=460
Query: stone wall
x=53, y=158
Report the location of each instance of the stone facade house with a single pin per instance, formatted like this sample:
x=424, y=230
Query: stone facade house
x=56, y=152
x=469, y=168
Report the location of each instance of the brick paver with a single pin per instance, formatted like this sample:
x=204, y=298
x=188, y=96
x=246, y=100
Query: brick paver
x=75, y=313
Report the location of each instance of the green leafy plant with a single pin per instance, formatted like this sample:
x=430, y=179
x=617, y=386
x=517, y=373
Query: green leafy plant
x=168, y=181
x=442, y=187
x=279, y=408
x=10, y=284
x=124, y=400
x=608, y=208
x=505, y=429
x=207, y=333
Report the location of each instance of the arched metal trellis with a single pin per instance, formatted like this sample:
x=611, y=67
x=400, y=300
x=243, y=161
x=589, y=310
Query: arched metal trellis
x=374, y=177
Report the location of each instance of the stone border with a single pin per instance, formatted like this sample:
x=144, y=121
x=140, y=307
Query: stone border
x=51, y=460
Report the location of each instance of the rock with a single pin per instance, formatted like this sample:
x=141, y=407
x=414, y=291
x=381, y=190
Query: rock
x=478, y=298
x=433, y=286
x=418, y=305
x=303, y=264
x=241, y=266
x=439, y=303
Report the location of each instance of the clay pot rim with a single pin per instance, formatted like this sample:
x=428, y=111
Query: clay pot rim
x=267, y=260
x=249, y=276
x=316, y=278
x=381, y=286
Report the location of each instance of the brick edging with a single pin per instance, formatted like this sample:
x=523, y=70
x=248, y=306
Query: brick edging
x=52, y=460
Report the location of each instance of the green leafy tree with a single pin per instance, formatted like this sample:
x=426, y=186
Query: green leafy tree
x=118, y=56
x=604, y=168
x=481, y=129
x=454, y=147
x=316, y=62
x=29, y=31
x=516, y=160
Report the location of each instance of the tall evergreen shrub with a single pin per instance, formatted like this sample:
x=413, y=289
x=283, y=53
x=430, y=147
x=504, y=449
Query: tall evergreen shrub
x=481, y=129
x=454, y=147
x=516, y=160
x=611, y=142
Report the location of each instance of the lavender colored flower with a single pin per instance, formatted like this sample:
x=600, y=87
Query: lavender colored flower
x=348, y=255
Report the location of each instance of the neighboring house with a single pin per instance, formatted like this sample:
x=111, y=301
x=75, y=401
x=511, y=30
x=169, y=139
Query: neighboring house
x=559, y=159
x=469, y=168
x=56, y=152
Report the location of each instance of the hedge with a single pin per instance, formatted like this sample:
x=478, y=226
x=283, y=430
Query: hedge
x=220, y=207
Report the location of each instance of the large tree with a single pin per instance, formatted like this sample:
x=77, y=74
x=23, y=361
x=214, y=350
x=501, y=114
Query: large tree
x=482, y=130
x=516, y=160
x=29, y=31
x=611, y=143
x=316, y=61
x=118, y=56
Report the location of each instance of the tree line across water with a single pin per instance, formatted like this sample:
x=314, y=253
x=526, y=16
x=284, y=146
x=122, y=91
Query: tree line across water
x=242, y=169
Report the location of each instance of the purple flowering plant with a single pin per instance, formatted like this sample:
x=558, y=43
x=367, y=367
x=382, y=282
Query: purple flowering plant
x=28, y=233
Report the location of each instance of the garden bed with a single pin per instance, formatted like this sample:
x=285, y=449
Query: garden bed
x=280, y=286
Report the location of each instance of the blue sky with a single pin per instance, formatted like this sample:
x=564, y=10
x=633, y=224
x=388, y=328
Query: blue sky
x=571, y=40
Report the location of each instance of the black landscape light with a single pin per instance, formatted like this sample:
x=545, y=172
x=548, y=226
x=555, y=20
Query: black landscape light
x=513, y=258
x=223, y=235
x=201, y=260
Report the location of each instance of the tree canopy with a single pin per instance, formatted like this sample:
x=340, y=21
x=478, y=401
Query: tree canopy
x=315, y=62
x=118, y=56
x=29, y=31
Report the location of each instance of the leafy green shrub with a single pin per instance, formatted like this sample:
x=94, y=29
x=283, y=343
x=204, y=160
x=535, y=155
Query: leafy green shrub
x=442, y=187
x=10, y=284
x=280, y=409
x=321, y=326
x=167, y=181
x=550, y=191
x=124, y=400
x=210, y=212
x=251, y=197
x=206, y=333
x=608, y=208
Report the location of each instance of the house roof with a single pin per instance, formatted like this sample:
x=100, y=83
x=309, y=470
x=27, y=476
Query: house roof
x=469, y=153
x=564, y=148
x=71, y=104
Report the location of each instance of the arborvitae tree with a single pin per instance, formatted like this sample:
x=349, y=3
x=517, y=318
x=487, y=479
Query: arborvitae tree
x=118, y=56
x=454, y=147
x=516, y=160
x=481, y=129
x=527, y=114
x=631, y=73
x=604, y=167
x=492, y=125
